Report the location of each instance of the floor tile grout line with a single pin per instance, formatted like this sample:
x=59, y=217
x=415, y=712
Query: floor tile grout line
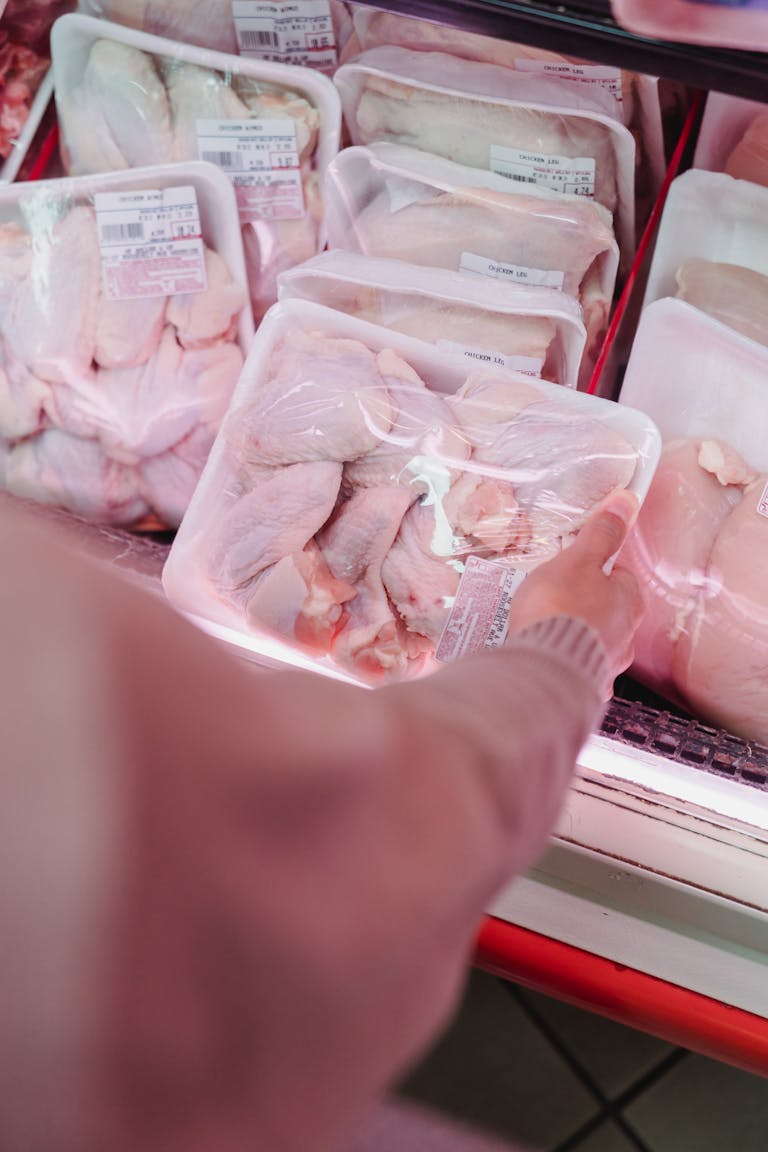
x=572, y=1142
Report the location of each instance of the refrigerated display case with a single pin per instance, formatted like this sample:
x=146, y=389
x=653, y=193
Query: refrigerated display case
x=651, y=903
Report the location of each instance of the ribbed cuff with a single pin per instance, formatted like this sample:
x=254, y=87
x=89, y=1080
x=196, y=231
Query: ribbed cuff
x=575, y=643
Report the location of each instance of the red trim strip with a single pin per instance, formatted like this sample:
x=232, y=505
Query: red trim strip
x=676, y=1014
x=648, y=236
x=47, y=149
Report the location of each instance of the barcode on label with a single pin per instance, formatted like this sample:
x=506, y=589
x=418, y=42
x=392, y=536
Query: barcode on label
x=119, y=233
x=229, y=160
x=258, y=38
x=520, y=179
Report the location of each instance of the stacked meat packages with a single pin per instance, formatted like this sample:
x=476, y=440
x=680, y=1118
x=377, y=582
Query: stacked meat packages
x=699, y=367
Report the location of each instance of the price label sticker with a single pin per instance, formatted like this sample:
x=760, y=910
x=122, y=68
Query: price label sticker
x=297, y=32
x=573, y=174
x=479, y=617
x=530, y=365
x=261, y=159
x=151, y=243
x=590, y=75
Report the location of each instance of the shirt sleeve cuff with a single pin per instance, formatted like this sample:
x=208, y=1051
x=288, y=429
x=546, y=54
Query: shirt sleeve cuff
x=573, y=642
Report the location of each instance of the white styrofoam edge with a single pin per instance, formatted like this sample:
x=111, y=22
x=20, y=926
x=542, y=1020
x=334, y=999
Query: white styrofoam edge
x=73, y=35
x=623, y=143
x=686, y=193
x=216, y=198
x=452, y=177
x=10, y=168
x=694, y=329
x=694, y=23
x=182, y=568
x=396, y=276
x=725, y=120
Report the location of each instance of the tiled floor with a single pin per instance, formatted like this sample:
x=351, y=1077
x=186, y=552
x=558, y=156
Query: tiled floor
x=553, y=1078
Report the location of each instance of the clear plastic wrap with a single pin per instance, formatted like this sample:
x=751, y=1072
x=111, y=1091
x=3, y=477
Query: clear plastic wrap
x=112, y=387
x=388, y=200
x=734, y=138
x=531, y=129
x=637, y=96
x=537, y=331
x=700, y=548
x=361, y=474
x=712, y=250
x=212, y=25
x=127, y=99
x=719, y=23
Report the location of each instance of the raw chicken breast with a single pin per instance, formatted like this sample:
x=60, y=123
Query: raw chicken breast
x=56, y=468
x=22, y=398
x=355, y=544
x=122, y=86
x=669, y=552
x=734, y=295
x=50, y=324
x=419, y=573
x=463, y=129
x=277, y=518
x=749, y=159
x=203, y=318
x=323, y=399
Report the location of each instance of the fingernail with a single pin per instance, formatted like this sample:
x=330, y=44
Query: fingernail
x=622, y=504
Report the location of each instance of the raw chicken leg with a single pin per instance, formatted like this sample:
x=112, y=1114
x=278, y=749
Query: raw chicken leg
x=203, y=318
x=464, y=129
x=76, y=474
x=418, y=572
x=122, y=88
x=749, y=159
x=422, y=429
x=355, y=545
x=50, y=324
x=322, y=399
x=734, y=295
x=274, y=520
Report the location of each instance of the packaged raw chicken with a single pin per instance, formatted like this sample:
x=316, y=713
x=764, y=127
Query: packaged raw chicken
x=637, y=96
x=124, y=323
x=306, y=32
x=719, y=23
x=734, y=138
x=537, y=331
x=127, y=99
x=700, y=548
x=712, y=250
x=531, y=129
x=370, y=504
x=387, y=200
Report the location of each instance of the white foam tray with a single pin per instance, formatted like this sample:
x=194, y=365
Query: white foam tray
x=695, y=377
x=73, y=37
x=314, y=281
x=711, y=216
x=42, y=99
x=184, y=578
x=215, y=195
x=725, y=120
x=492, y=84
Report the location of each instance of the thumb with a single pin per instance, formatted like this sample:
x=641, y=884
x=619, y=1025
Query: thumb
x=608, y=527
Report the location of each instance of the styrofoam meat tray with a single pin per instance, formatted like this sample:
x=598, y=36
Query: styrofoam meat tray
x=216, y=200
x=711, y=216
x=185, y=580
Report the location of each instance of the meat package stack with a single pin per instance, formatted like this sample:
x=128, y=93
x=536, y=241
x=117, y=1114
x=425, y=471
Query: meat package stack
x=368, y=496
x=699, y=367
x=115, y=370
x=128, y=99
x=24, y=64
x=489, y=159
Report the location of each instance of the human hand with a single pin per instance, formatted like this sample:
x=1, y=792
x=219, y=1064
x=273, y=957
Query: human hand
x=575, y=584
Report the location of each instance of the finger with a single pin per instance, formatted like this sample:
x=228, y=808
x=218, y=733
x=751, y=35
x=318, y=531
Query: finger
x=607, y=528
x=628, y=585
